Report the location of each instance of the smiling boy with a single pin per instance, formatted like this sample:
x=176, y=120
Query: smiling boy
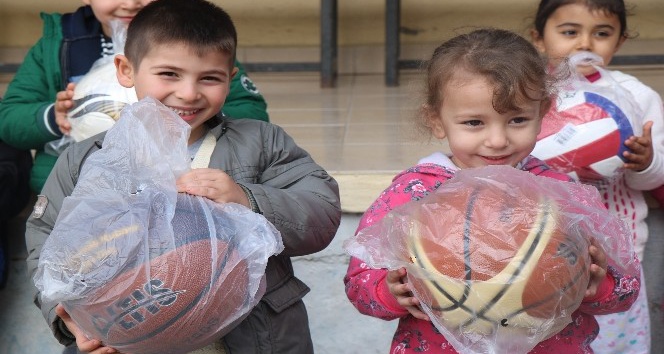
x=181, y=53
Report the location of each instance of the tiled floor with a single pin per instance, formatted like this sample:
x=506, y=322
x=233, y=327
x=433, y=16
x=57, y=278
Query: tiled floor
x=359, y=126
x=360, y=131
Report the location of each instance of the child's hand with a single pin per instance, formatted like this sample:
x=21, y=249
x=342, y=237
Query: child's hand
x=641, y=148
x=401, y=291
x=213, y=184
x=84, y=344
x=597, y=267
x=63, y=103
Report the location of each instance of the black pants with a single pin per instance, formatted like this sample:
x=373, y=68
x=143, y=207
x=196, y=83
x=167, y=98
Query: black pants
x=15, y=168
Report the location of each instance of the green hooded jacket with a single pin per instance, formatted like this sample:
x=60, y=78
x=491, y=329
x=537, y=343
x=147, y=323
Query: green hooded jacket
x=27, y=119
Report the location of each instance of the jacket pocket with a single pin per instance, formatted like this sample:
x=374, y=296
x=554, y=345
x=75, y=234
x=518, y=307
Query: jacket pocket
x=286, y=295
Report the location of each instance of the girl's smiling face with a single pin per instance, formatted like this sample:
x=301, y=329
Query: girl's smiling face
x=478, y=135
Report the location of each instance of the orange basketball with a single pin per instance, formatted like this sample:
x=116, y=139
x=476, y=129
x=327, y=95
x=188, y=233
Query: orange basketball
x=175, y=303
x=485, y=259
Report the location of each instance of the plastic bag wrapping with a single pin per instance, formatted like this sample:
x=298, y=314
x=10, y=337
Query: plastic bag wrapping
x=142, y=267
x=98, y=97
x=498, y=257
x=583, y=133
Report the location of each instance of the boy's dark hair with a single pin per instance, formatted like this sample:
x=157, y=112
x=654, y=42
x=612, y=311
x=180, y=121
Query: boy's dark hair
x=198, y=24
x=612, y=7
x=507, y=60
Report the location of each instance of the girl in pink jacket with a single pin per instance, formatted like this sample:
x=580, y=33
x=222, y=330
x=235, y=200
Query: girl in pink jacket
x=486, y=92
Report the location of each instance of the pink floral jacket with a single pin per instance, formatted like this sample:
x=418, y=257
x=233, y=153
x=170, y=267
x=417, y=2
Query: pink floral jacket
x=367, y=290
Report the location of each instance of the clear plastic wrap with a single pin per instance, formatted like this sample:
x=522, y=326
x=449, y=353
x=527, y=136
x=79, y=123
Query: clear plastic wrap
x=583, y=133
x=141, y=267
x=98, y=97
x=498, y=257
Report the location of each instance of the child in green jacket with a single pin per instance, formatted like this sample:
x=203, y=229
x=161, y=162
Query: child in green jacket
x=70, y=44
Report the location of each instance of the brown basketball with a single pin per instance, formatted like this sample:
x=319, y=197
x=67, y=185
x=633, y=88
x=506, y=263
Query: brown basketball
x=490, y=259
x=174, y=303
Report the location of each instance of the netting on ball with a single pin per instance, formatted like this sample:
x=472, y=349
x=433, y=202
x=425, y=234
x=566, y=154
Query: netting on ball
x=98, y=96
x=498, y=257
x=141, y=267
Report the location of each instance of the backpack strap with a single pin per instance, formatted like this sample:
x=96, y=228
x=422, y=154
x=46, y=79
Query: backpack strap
x=202, y=157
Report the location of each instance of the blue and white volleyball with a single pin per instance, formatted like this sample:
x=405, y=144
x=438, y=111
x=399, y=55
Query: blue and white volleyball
x=583, y=135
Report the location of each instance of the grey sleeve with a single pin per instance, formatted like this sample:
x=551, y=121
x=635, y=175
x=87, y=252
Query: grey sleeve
x=298, y=196
x=59, y=184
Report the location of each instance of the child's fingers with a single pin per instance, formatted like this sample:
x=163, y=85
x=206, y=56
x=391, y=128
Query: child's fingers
x=63, y=102
x=417, y=313
x=204, y=176
x=640, y=154
x=198, y=190
x=640, y=144
x=67, y=94
x=590, y=292
x=636, y=164
x=597, y=254
x=636, y=145
x=82, y=342
x=645, y=140
x=412, y=304
x=394, y=276
x=400, y=289
x=598, y=266
x=189, y=182
x=647, y=130
x=397, y=287
x=597, y=275
x=403, y=295
x=597, y=271
x=89, y=346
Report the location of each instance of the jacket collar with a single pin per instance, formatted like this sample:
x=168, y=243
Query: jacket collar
x=80, y=24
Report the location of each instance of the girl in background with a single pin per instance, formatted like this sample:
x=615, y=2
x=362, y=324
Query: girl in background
x=563, y=28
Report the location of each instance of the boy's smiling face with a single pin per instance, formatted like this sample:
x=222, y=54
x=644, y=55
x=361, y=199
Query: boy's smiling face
x=194, y=85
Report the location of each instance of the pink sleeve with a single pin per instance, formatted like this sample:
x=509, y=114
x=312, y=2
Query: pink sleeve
x=540, y=168
x=604, y=290
x=366, y=287
x=616, y=294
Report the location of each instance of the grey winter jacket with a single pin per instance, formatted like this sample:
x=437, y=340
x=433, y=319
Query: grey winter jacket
x=290, y=190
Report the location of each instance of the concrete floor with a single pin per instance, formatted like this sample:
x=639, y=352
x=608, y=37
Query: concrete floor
x=22, y=327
